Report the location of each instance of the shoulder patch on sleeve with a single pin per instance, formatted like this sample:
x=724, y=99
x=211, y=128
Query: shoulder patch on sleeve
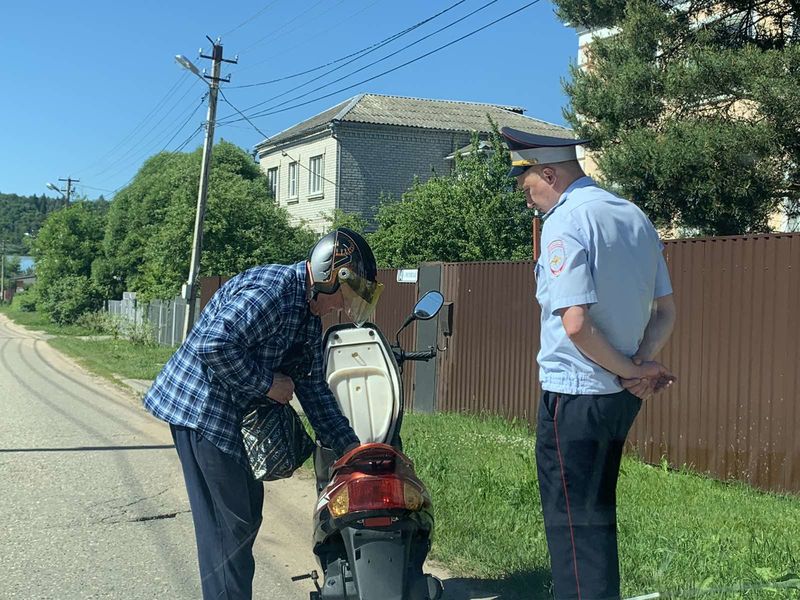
x=556, y=256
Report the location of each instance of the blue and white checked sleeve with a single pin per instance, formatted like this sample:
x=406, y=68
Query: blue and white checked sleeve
x=321, y=408
x=250, y=317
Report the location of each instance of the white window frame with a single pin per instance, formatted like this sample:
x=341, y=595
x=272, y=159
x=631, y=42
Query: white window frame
x=316, y=184
x=273, y=181
x=294, y=168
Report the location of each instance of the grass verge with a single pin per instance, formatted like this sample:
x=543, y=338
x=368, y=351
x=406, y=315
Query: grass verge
x=105, y=357
x=36, y=321
x=115, y=357
x=677, y=530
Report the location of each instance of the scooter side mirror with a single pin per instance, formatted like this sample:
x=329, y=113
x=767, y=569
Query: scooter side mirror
x=429, y=305
x=426, y=308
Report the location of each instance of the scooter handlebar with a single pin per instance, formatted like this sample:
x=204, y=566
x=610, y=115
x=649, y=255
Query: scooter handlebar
x=421, y=355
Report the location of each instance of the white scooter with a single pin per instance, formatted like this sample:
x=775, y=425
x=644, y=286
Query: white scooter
x=374, y=518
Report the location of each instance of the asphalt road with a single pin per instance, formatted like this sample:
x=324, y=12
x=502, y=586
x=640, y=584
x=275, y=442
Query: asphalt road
x=93, y=503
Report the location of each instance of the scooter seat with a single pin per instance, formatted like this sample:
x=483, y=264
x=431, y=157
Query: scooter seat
x=364, y=380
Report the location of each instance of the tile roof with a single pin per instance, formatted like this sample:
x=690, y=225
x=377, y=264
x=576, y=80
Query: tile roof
x=447, y=115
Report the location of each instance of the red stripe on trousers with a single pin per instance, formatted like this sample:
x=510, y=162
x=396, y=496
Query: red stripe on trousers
x=566, y=497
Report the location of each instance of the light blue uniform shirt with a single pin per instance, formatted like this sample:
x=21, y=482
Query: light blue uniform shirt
x=599, y=250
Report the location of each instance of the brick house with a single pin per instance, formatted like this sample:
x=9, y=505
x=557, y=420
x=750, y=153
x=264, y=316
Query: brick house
x=372, y=146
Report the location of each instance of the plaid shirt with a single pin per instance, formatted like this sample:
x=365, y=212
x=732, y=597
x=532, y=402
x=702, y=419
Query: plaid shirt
x=229, y=358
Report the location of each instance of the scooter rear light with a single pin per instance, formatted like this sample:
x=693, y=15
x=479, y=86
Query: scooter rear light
x=375, y=493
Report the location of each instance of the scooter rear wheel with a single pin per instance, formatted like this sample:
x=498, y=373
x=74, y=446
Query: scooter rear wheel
x=435, y=587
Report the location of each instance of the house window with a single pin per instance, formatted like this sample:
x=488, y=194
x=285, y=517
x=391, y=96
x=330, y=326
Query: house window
x=315, y=166
x=272, y=182
x=293, y=180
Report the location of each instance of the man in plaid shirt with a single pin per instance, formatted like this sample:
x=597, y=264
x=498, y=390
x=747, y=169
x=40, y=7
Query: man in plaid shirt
x=231, y=360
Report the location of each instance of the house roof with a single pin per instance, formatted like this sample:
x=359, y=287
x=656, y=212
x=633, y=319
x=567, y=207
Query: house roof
x=446, y=115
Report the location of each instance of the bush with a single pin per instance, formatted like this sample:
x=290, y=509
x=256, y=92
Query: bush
x=141, y=334
x=104, y=323
x=70, y=297
x=101, y=322
x=26, y=300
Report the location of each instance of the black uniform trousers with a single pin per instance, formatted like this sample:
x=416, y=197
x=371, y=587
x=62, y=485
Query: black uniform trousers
x=579, y=441
x=226, y=505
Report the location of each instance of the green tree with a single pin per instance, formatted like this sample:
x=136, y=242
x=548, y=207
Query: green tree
x=342, y=218
x=148, y=239
x=66, y=246
x=12, y=269
x=474, y=213
x=694, y=108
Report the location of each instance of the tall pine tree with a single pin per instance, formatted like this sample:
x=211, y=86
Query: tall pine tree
x=693, y=108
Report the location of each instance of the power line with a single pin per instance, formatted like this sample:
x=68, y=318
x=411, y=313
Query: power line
x=189, y=118
x=253, y=125
x=141, y=124
x=463, y=37
x=197, y=130
x=272, y=110
x=315, y=35
x=97, y=189
x=146, y=136
x=189, y=139
x=248, y=20
x=228, y=102
x=357, y=54
x=260, y=40
x=136, y=158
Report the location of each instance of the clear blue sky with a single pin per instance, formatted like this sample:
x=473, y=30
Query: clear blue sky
x=91, y=88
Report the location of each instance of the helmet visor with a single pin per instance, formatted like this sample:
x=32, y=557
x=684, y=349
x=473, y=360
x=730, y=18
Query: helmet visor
x=360, y=296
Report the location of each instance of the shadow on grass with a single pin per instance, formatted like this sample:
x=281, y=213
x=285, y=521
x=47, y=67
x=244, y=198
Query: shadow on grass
x=527, y=585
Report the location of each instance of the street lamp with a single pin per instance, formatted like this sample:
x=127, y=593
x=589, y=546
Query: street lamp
x=55, y=188
x=187, y=64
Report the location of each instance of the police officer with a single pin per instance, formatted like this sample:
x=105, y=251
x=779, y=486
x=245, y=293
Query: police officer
x=607, y=309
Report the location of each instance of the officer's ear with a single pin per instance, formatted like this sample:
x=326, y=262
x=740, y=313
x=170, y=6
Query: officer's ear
x=549, y=174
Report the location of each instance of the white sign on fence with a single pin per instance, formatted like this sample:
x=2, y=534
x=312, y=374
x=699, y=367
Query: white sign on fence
x=407, y=275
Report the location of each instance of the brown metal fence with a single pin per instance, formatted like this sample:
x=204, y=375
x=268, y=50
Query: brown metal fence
x=735, y=410
x=490, y=365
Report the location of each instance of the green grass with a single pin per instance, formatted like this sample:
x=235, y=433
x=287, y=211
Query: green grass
x=36, y=321
x=115, y=357
x=677, y=530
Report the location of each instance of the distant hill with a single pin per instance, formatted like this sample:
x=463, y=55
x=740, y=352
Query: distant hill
x=21, y=214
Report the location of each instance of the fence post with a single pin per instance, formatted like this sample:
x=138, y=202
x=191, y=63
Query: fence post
x=425, y=374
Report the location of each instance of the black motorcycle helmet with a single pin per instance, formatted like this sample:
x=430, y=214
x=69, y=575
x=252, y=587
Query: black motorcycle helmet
x=343, y=260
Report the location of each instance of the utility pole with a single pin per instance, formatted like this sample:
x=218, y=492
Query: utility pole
x=68, y=191
x=190, y=287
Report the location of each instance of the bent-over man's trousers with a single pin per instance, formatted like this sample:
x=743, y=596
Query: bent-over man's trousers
x=226, y=505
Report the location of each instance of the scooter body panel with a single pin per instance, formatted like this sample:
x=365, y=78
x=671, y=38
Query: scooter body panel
x=370, y=554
